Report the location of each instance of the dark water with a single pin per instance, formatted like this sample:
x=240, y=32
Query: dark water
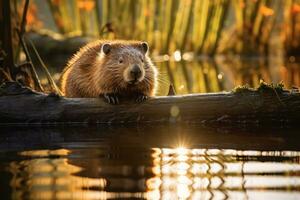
x=149, y=162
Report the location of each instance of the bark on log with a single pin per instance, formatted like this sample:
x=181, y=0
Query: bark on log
x=19, y=105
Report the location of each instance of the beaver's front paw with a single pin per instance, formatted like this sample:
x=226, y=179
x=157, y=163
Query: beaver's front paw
x=141, y=97
x=111, y=98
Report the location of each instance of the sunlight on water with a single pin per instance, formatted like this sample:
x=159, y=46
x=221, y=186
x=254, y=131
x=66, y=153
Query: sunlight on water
x=203, y=174
x=177, y=55
x=163, y=173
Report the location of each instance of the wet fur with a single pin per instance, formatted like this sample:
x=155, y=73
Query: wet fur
x=91, y=73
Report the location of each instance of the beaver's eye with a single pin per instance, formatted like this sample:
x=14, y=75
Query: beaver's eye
x=120, y=61
x=142, y=59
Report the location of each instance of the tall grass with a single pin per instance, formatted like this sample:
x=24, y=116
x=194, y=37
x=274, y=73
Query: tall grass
x=166, y=25
x=291, y=27
x=203, y=26
x=254, y=22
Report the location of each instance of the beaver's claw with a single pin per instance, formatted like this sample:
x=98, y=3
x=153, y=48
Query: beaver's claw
x=141, y=97
x=111, y=98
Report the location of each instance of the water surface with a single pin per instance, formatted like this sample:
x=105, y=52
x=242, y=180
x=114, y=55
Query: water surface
x=149, y=162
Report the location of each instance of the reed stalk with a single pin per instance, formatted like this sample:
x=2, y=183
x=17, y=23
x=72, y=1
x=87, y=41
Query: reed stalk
x=292, y=27
x=7, y=38
x=253, y=21
x=172, y=9
x=187, y=27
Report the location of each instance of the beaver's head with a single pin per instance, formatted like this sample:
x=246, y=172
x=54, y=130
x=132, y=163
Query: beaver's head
x=126, y=63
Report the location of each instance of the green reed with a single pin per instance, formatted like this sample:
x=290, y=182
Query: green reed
x=62, y=13
x=291, y=32
x=254, y=21
x=201, y=26
x=166, y=25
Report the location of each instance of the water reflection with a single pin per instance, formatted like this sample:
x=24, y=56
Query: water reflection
x=224, y=73
x=154, y=173
x=149, y=162
x=221, y=174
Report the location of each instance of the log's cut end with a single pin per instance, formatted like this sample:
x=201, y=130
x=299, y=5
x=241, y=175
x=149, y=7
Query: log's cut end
x=20, y=105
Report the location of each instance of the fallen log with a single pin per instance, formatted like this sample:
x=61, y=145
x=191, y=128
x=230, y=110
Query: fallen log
x=265, y=105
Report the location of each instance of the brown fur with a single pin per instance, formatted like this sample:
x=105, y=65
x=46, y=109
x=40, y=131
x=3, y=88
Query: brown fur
x=91, y=72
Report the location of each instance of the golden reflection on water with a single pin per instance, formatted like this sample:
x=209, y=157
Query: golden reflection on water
x=222, y=74
x=204, y=174
x=175, y=173
x=46, y=178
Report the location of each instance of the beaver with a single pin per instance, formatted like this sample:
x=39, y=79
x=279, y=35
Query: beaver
x=111, y=69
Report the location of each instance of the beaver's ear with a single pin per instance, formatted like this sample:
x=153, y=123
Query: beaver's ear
x=144, y=47
x=106, y=48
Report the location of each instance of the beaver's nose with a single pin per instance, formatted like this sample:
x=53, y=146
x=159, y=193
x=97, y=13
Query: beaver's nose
x=135, y=72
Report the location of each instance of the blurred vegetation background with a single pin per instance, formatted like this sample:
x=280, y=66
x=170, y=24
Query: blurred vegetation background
x=198, y=45
x=204, y=27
